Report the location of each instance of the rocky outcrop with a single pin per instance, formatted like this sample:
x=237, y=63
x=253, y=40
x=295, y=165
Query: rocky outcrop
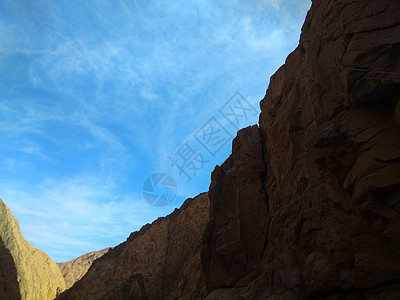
x=28, y=268
x=74, y=270
x=161, y=261
x=317, y=185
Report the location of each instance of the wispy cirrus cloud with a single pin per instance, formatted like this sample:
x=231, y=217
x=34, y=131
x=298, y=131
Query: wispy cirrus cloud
x=95, y=97
x=82, y=213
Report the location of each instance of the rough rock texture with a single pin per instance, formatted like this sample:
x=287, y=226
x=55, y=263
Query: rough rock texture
x=317, y=186
x=38, y=276
x=235, y=236
x=308, y=204
x=9, y=288
x=161, y=261
x=74, y=270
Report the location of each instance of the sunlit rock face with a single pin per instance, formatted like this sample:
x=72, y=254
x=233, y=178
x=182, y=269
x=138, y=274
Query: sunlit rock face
x=28, y=269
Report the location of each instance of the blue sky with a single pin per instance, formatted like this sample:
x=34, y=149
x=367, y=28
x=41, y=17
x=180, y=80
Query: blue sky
x=96, y=96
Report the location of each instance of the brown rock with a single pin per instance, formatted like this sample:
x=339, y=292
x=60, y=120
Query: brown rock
x=38, y=276
x=396, y=115
x=307, y=206
x=161, y=261
x=234, y=240
x=74, y=270
x=331, y=173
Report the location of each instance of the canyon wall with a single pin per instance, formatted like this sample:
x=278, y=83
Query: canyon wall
x=27, y=269
x=313, y=195
x=307, y=206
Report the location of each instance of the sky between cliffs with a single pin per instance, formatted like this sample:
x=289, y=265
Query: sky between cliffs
x=95, y=96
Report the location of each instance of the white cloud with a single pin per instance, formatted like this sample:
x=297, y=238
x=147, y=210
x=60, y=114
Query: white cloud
x=101, y=133
x=33, y=149
x=77, y=215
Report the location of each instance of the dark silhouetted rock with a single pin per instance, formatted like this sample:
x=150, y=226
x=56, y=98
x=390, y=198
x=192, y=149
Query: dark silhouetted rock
x=329, y=194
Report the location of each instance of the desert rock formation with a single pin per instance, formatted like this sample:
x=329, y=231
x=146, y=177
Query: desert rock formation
x=36, y=275
x=74, y=269
x=307, y=206
x=161, y=261
x=325, y=165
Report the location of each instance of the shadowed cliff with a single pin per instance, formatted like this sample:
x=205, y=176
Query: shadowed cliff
x=307, y=205
x=313, y=194
x=9, y=288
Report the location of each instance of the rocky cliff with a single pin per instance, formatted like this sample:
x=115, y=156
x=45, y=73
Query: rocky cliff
x=313, y=195
x=308, y=204
x=161, y=261
x=29, y=272
x=74, y=269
